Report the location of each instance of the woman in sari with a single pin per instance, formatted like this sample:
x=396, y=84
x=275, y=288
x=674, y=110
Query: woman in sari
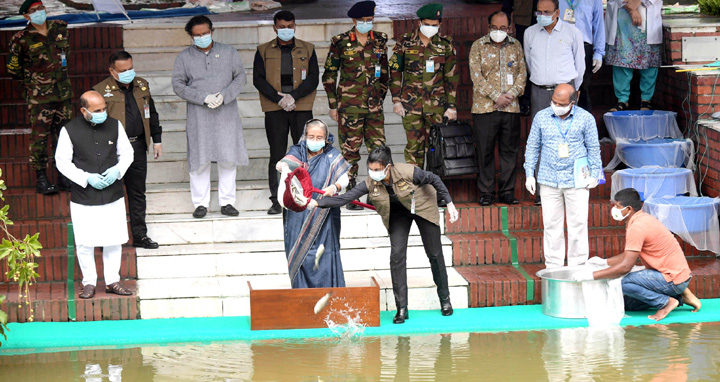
x=312, y=237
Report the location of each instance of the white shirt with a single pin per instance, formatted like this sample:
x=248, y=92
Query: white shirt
x=555, y=58
x=653, y=20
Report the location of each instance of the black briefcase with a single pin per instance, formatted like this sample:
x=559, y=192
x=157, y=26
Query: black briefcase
x=451, y=150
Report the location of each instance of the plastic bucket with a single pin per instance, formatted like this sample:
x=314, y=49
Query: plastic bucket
x=642, y=124
x=697, y=213
x=657, y=182
x=654, y=152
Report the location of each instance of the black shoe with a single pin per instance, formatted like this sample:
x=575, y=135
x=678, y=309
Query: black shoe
x=43, y=184
x=63, y=182
x=620, y=106
x=401, y=316
x=229, y=210
x=200, y=212
x=145, y=242
x=445, y=306
x=646, y=105
x=354, y=207
x=275, y=209
x=537, y=200
x=485, y=200
x=508, y=199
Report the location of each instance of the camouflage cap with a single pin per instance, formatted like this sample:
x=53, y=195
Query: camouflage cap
x=432, y=11
x=27, y=4
x=362, y=9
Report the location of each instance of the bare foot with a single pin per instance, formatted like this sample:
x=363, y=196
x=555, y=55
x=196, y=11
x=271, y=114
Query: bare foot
x=662, y=313
x=690, y=299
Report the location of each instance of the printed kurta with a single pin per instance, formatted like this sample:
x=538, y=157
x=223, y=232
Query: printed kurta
x=496, y=70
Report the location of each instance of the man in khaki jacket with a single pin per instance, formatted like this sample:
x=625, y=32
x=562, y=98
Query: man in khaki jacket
x=128, y=100
x=286, y=74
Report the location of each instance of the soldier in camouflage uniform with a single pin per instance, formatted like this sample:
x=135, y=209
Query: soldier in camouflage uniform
x=424, y=80
x=39, y=57
x=356, y=98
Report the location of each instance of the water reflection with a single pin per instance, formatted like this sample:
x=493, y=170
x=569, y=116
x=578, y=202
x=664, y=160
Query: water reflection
x=652, y=353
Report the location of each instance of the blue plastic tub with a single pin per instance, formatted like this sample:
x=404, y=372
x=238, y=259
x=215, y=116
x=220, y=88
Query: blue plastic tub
x=657, y=182
x=637, y=125
x=682, y=214
x=655, y=152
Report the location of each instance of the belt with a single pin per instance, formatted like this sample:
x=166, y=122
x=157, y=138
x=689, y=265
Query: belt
x=552, y=87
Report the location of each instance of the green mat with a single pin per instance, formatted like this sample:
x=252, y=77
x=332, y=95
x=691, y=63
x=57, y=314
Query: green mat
x=37, y=337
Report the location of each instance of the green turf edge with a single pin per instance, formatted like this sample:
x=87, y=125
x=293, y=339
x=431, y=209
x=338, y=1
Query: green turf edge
x=38, y=337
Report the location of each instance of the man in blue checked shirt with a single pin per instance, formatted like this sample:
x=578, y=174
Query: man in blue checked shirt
x=566, y=134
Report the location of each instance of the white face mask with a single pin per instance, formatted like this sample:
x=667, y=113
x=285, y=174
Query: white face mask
x=378, y=176
x=558, y=110
x=617, y=213
x=498, y=35
x=428, y=30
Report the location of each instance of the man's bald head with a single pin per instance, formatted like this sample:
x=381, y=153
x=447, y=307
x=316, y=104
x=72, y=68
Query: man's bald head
x=563, y=94
x=91, y=102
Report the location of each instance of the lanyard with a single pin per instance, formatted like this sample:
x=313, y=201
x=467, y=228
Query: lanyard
x=572, y=6
x=564, y=134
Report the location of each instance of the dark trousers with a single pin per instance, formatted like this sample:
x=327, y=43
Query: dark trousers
x=277, y=126
x=584, y=100
x=524, y=99
x=400, y=222
x=504, y=129
x=134, y=180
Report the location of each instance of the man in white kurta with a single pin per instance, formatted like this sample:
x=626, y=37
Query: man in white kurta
x=209, y=76
x=94, y=152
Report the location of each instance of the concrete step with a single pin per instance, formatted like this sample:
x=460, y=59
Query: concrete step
x=254, y=226
x=268, y=258
x=229, y=296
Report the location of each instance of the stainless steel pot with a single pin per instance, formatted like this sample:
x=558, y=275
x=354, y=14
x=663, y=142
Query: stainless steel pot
x=562, y=297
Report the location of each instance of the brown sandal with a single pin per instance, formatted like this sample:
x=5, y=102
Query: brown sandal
x=88, y=291
x=620, y=106
x=118, y=288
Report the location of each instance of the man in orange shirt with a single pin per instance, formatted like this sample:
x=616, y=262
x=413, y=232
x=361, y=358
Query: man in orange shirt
x=663, y=284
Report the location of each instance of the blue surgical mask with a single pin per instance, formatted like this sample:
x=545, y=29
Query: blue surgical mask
x=203, y=41
x=126, y=77
x=378, y=176
x=286, y=34
x=315, y=146
x=364, y=26
x=544, y=20
x=38, y=17
x=97, y=118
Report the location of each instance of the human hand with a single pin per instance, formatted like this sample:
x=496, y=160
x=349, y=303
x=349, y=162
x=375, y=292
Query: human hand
x=97, y=181
x=636, y=18
x=503, y=101
x=312, y=204
x=209, y=99
x=451, y=114
x=454, y=215
x=280, y=165
x=157, y=150
x=597, y=64
x=111, y=175
x=599, y=261
x=592, y=183
x=399, y=109
x=333, y=114
x=283, y=101
x=584, y=275
x=217, y=101
x=530, y=185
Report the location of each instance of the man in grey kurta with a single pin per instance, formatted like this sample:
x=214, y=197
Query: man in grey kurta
x=209, y=76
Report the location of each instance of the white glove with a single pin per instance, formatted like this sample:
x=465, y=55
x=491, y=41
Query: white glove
x=209, y=99
x=599, y=261
x=451, y=114
x=585, y=275
x=279, y=166
x=216, y=101
x=597, y=64
x=454, y=215
x=290, y=104
x=399, y=109
x=530, y=185
x=592, y=183
x=312, y=204
x=330, y=190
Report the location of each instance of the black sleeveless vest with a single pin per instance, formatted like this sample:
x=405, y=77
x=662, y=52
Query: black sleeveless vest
x=94, y=151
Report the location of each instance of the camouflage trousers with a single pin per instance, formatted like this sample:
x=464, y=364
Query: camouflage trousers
x=417, y=128
x=353, y=129
x=46, y=120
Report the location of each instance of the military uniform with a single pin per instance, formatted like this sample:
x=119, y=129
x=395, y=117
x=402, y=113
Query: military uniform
x=424, y=79
x=41, y=62
x=359, y=92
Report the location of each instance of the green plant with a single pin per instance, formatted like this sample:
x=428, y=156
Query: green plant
x=20, y=258
x=710, y=7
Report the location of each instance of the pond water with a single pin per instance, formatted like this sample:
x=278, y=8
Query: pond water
x=672, y=353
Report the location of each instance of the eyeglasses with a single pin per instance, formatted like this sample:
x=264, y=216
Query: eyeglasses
x=545, y=13
x=494, y=28
x=40, y=8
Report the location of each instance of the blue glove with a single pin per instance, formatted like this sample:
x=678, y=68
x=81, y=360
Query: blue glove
x=111, y=175
x=97, y=181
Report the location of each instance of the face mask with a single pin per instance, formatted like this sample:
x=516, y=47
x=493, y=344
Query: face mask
x=364, y=26
x=315, y=146
x=560, y=110
x=38, y=18
x=429, y=30
x=617, y=213
x=498, y=35
x=203, y=41
x=286, y=34
x=97, y=118
x=126, y=77
x=378, y=176
x=545, y=20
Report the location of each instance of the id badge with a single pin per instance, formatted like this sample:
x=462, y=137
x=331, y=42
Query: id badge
x=377, y=71
x=412, y=205
x=303, y=74
x=430, y=66
x=510, y=80
x=147, y=111
x=569, y=16
x=63, y=59
x=563, y=150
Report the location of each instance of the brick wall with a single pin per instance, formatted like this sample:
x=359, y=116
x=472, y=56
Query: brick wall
x=708, y=154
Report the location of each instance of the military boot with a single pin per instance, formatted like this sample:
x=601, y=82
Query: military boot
x=43, y=184
x=353, y=207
